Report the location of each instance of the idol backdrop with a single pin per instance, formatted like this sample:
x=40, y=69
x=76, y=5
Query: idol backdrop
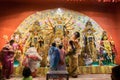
x=57, y=25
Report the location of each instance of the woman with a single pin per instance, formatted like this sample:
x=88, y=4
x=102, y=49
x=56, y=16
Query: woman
x=54, y=56
x=73, y=50
x=32, y=60
x=61, y=65
x=7, y=60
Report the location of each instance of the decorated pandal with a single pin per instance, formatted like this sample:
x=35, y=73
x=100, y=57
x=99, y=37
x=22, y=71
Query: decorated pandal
x=40, y=29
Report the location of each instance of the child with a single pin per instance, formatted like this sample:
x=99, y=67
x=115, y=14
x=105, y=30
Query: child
x=27, y=73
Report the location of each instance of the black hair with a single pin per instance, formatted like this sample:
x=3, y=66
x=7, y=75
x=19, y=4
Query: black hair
x=60, y=46
x=72, y=44
x=54, y=44
x=77, y=34
x=11, y=42
x=115, y=73
x=26, y=72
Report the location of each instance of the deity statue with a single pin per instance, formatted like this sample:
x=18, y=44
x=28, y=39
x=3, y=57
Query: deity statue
x=89, y=41
x=106, y=48
x=17, y=48
x=65, y=40
x=87, y=59
x=16, y=36
x=34, y=38
x=41, y=41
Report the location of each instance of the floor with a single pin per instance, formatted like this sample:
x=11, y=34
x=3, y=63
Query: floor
x=80, y=77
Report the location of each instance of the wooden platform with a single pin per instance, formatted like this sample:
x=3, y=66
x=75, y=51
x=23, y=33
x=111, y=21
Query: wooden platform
x=80, y=77
x=94, y=69
x=81, y=70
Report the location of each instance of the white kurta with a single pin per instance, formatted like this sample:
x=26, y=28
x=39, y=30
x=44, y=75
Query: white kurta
x=33, y=59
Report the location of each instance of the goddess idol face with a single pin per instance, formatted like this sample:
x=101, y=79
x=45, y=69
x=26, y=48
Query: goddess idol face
x=105, y=38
